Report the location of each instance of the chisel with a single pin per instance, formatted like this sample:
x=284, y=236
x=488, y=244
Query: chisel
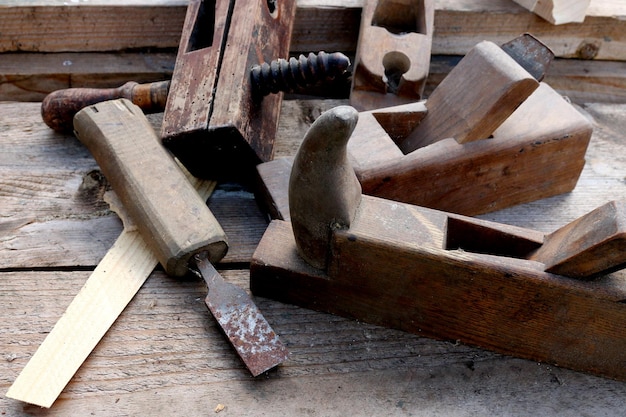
x=174, y=221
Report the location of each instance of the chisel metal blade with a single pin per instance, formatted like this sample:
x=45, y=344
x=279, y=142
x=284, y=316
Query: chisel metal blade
x=248, y=331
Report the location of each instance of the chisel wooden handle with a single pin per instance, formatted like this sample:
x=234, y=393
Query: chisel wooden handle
x=59, y=107
x=167, y=210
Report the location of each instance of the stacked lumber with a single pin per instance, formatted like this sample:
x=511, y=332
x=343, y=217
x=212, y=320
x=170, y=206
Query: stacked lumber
x=50, y=44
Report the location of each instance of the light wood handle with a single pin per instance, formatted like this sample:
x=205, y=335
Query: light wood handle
x=167, y=210
x=59, y=107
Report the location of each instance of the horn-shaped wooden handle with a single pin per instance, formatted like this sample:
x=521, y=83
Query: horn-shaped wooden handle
x=324, y=192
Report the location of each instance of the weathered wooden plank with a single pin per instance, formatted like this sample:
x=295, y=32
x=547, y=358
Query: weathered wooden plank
x=558, y=12
x=51, y=199
x=466, y=22
x=54, y=26
x=31, y=76
x=165, y=355
x=98, y=26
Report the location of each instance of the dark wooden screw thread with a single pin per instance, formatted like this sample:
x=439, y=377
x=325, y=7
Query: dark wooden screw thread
x=288, y=75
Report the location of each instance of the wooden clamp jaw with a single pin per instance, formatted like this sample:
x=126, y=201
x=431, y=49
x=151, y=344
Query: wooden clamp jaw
x=445, y=275
x=212, y=121
x=489, y=137
x=393, y=53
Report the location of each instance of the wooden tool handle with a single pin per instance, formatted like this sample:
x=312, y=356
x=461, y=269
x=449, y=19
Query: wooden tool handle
x=167, y=210
x=324, y=192
x=59, y=107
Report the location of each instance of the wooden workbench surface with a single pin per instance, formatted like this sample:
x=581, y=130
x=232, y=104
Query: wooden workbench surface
x=165, y=354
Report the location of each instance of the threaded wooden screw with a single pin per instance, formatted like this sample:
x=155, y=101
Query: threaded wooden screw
x=283, y=75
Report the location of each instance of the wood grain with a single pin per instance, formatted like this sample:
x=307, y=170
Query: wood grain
x=96, y=307
x=165, y=356
x=30, y=76
x=54, y=26
x=61, y=27
x=558, y=11
x=213, y=120
x=478, y=95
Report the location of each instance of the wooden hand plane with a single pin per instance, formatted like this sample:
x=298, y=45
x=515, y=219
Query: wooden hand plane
x=393, y=53
x=516, y=291
x=212, y=122
x=490, y=136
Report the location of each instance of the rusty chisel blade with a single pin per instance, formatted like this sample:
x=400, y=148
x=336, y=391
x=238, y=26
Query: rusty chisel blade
x=532, y=54
x=256, y=343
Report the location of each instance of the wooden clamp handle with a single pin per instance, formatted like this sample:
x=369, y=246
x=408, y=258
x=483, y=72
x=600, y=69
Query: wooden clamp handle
x=59, y=107
x=167, y=210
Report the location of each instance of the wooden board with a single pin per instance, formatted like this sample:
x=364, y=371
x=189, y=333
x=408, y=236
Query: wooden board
x=558, y=12
x=56, y=26
x=44, y=42
x=31, y=76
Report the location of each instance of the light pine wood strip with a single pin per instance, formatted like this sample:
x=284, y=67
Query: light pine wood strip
x=104, y=296
x=109, y=289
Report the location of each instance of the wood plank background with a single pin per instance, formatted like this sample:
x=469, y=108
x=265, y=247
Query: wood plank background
x=52, y=44
x=58, y=26
x=165, y=355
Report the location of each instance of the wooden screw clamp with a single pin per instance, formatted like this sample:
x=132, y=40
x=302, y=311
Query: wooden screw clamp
x=212, y=122
x=508, y=289
x=490, y=136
